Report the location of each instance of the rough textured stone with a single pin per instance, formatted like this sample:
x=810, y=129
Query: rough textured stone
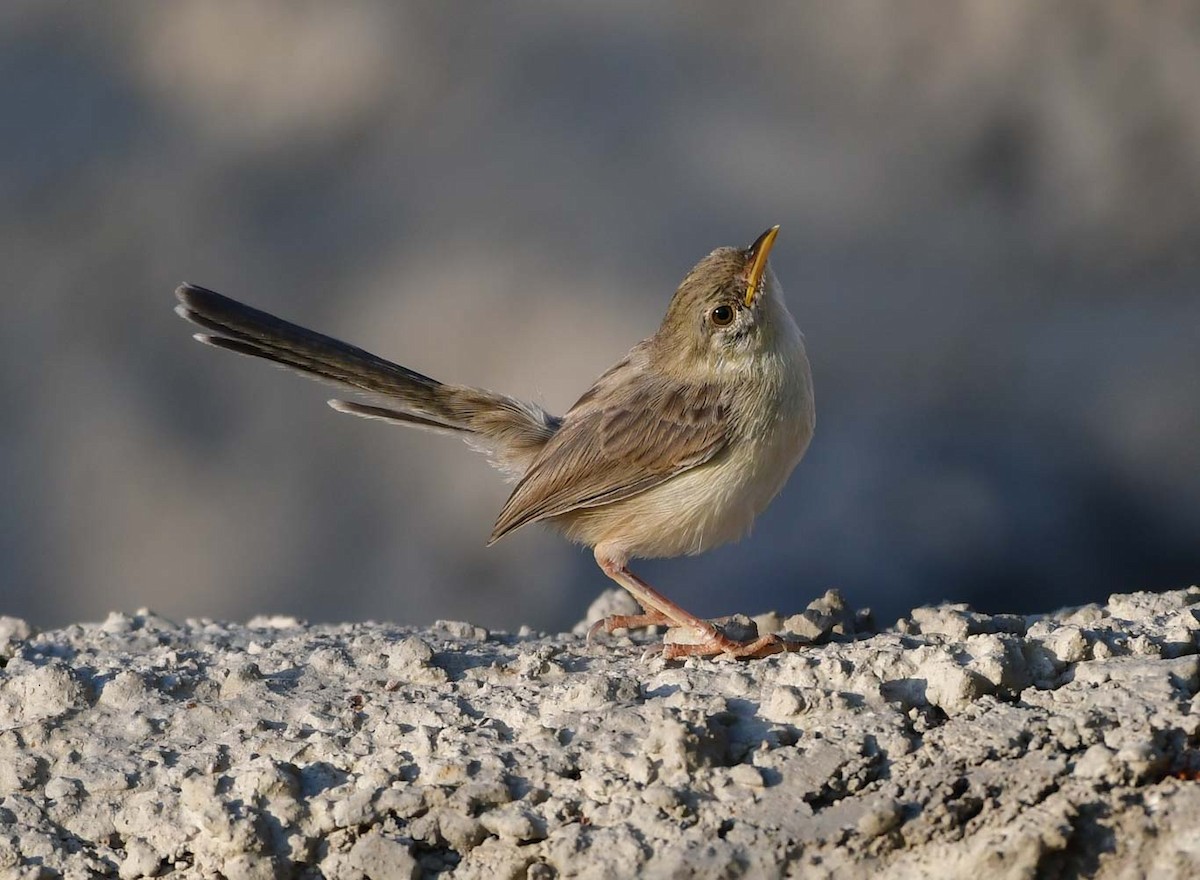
x=956, y=745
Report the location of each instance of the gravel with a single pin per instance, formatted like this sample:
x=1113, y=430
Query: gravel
x=954, y=744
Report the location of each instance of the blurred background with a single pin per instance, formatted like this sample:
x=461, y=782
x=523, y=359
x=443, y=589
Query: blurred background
x=991, y=237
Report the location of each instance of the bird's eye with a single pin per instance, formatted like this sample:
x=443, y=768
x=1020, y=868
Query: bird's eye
x=722, y=316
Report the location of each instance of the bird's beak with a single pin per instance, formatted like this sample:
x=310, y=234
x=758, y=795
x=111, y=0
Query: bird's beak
x=758, y=262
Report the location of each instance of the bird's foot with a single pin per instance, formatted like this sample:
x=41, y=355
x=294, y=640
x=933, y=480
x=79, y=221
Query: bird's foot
x=716, y=644
x=688, y=641
x=615, y=622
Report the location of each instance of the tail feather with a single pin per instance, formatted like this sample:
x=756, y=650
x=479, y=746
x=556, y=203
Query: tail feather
x=293, y=345
x=511, y=431
x=395, y=416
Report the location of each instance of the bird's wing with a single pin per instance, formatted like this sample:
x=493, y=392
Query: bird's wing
x=604, y=453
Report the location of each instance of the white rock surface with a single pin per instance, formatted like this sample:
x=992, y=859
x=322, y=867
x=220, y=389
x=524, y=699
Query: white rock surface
x=955, y=745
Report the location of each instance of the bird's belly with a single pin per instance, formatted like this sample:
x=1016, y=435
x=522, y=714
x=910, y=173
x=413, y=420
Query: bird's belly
x=698, y=509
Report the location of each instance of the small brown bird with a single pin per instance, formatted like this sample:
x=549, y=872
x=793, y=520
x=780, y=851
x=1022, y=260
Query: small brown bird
x=674, y=450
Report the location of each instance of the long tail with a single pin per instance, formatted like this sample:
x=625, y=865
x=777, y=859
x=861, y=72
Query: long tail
x=509, y=430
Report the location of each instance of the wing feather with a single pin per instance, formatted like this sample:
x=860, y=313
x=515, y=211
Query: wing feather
x=605, y=453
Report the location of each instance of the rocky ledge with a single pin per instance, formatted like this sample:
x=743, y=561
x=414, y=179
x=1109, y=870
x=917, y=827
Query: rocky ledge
x=955, y=744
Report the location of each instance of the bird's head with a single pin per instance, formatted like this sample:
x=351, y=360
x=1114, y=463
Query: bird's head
x=726, y=314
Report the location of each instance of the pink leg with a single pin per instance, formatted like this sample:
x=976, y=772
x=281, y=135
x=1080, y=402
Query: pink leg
x=660, y=609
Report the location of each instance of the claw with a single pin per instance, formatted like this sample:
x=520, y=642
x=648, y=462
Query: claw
x=593, y=629
x=654, y=652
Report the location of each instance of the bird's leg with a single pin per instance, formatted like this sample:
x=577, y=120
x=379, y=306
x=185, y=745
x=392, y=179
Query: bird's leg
x=658, y=608
x=661, y=610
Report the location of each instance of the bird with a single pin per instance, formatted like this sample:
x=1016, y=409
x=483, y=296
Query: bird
x=674, y=450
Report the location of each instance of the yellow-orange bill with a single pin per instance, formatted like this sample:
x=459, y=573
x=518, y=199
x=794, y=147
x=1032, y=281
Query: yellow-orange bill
x=758, y=253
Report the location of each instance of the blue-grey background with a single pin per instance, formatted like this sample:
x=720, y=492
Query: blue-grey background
x=991, y=236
